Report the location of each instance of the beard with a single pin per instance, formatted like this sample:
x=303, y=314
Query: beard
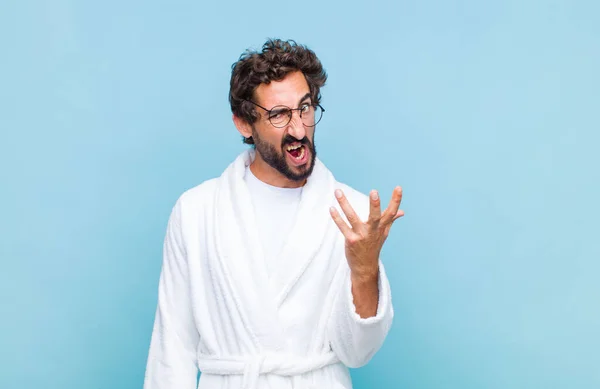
x=277, y=159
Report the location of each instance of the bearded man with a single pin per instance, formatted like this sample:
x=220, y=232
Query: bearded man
x=271, y=274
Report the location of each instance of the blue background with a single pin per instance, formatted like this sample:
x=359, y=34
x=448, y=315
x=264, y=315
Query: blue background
x=487, y=113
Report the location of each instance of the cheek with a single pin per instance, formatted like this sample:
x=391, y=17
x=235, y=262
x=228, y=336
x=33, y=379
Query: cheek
x=277, y=137
x=266, y=135
x=273, y=138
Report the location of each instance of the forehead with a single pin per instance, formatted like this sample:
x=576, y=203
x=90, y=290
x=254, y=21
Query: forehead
x=288, y=91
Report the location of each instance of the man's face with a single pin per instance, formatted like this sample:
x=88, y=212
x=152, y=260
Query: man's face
x=278, y=147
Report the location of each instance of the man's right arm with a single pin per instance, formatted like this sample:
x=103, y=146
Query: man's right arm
x=172, y=357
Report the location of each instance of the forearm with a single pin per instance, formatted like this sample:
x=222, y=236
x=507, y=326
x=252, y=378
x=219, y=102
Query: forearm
x=365, y=292
x=355, y=338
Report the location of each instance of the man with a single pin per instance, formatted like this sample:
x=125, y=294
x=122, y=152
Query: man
x=271, y=275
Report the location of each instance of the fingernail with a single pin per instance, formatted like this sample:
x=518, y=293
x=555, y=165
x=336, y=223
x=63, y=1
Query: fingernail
x=374, y=195
x=338, y=193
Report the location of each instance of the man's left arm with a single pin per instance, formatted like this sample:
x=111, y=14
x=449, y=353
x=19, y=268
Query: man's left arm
x=363, y=311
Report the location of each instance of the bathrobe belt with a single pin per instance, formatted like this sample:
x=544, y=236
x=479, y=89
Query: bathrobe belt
x=251, y=367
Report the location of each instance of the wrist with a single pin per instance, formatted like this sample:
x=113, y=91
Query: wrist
x=365, y=275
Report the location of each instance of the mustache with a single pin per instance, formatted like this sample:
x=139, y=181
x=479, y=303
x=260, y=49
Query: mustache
x=290, y=139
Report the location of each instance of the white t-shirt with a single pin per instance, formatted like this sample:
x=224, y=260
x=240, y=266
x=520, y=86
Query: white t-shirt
x=275, y=212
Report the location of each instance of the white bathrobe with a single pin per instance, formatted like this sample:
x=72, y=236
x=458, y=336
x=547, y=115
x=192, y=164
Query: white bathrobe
x=219, y=312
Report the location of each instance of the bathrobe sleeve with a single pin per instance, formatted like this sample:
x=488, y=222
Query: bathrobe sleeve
x=172, y=357
x=355, y=340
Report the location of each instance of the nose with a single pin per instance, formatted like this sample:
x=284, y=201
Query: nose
x=295, y=126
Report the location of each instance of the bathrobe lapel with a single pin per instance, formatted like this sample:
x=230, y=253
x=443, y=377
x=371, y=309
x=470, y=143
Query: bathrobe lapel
x=308, y=233
x=241, y=256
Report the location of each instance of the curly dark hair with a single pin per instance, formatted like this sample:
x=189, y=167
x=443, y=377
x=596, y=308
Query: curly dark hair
x=277, y=59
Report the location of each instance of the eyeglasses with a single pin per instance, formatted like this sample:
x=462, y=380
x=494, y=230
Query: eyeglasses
x=280, y=115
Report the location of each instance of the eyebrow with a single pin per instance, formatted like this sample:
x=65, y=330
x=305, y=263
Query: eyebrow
x=306, y=96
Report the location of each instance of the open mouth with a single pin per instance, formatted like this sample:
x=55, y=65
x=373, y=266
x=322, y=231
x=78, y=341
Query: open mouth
x=297, y=152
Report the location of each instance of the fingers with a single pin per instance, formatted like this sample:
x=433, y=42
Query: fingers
x=337, y=218
x=347, y=208
x=386, y=228
x=390, y=214
x=399, y=214
x=375, y=210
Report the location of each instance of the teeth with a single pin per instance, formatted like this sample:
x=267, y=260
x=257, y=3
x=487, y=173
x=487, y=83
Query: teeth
x=301, y=154
x=290, y=148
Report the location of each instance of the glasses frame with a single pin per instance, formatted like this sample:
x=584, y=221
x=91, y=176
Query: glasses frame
x=290, y=115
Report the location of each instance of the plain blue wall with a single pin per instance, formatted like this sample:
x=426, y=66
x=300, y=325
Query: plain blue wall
x=487, y=113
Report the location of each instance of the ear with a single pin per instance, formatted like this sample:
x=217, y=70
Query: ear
x=242, y=126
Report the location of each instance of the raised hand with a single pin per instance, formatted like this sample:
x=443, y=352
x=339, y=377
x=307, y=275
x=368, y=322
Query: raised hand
x=364, y=240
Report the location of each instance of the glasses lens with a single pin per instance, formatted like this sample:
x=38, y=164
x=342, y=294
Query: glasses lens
x=312, y=115
x=280, y=116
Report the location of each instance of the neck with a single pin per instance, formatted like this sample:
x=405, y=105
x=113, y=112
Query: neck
x=268, y=175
